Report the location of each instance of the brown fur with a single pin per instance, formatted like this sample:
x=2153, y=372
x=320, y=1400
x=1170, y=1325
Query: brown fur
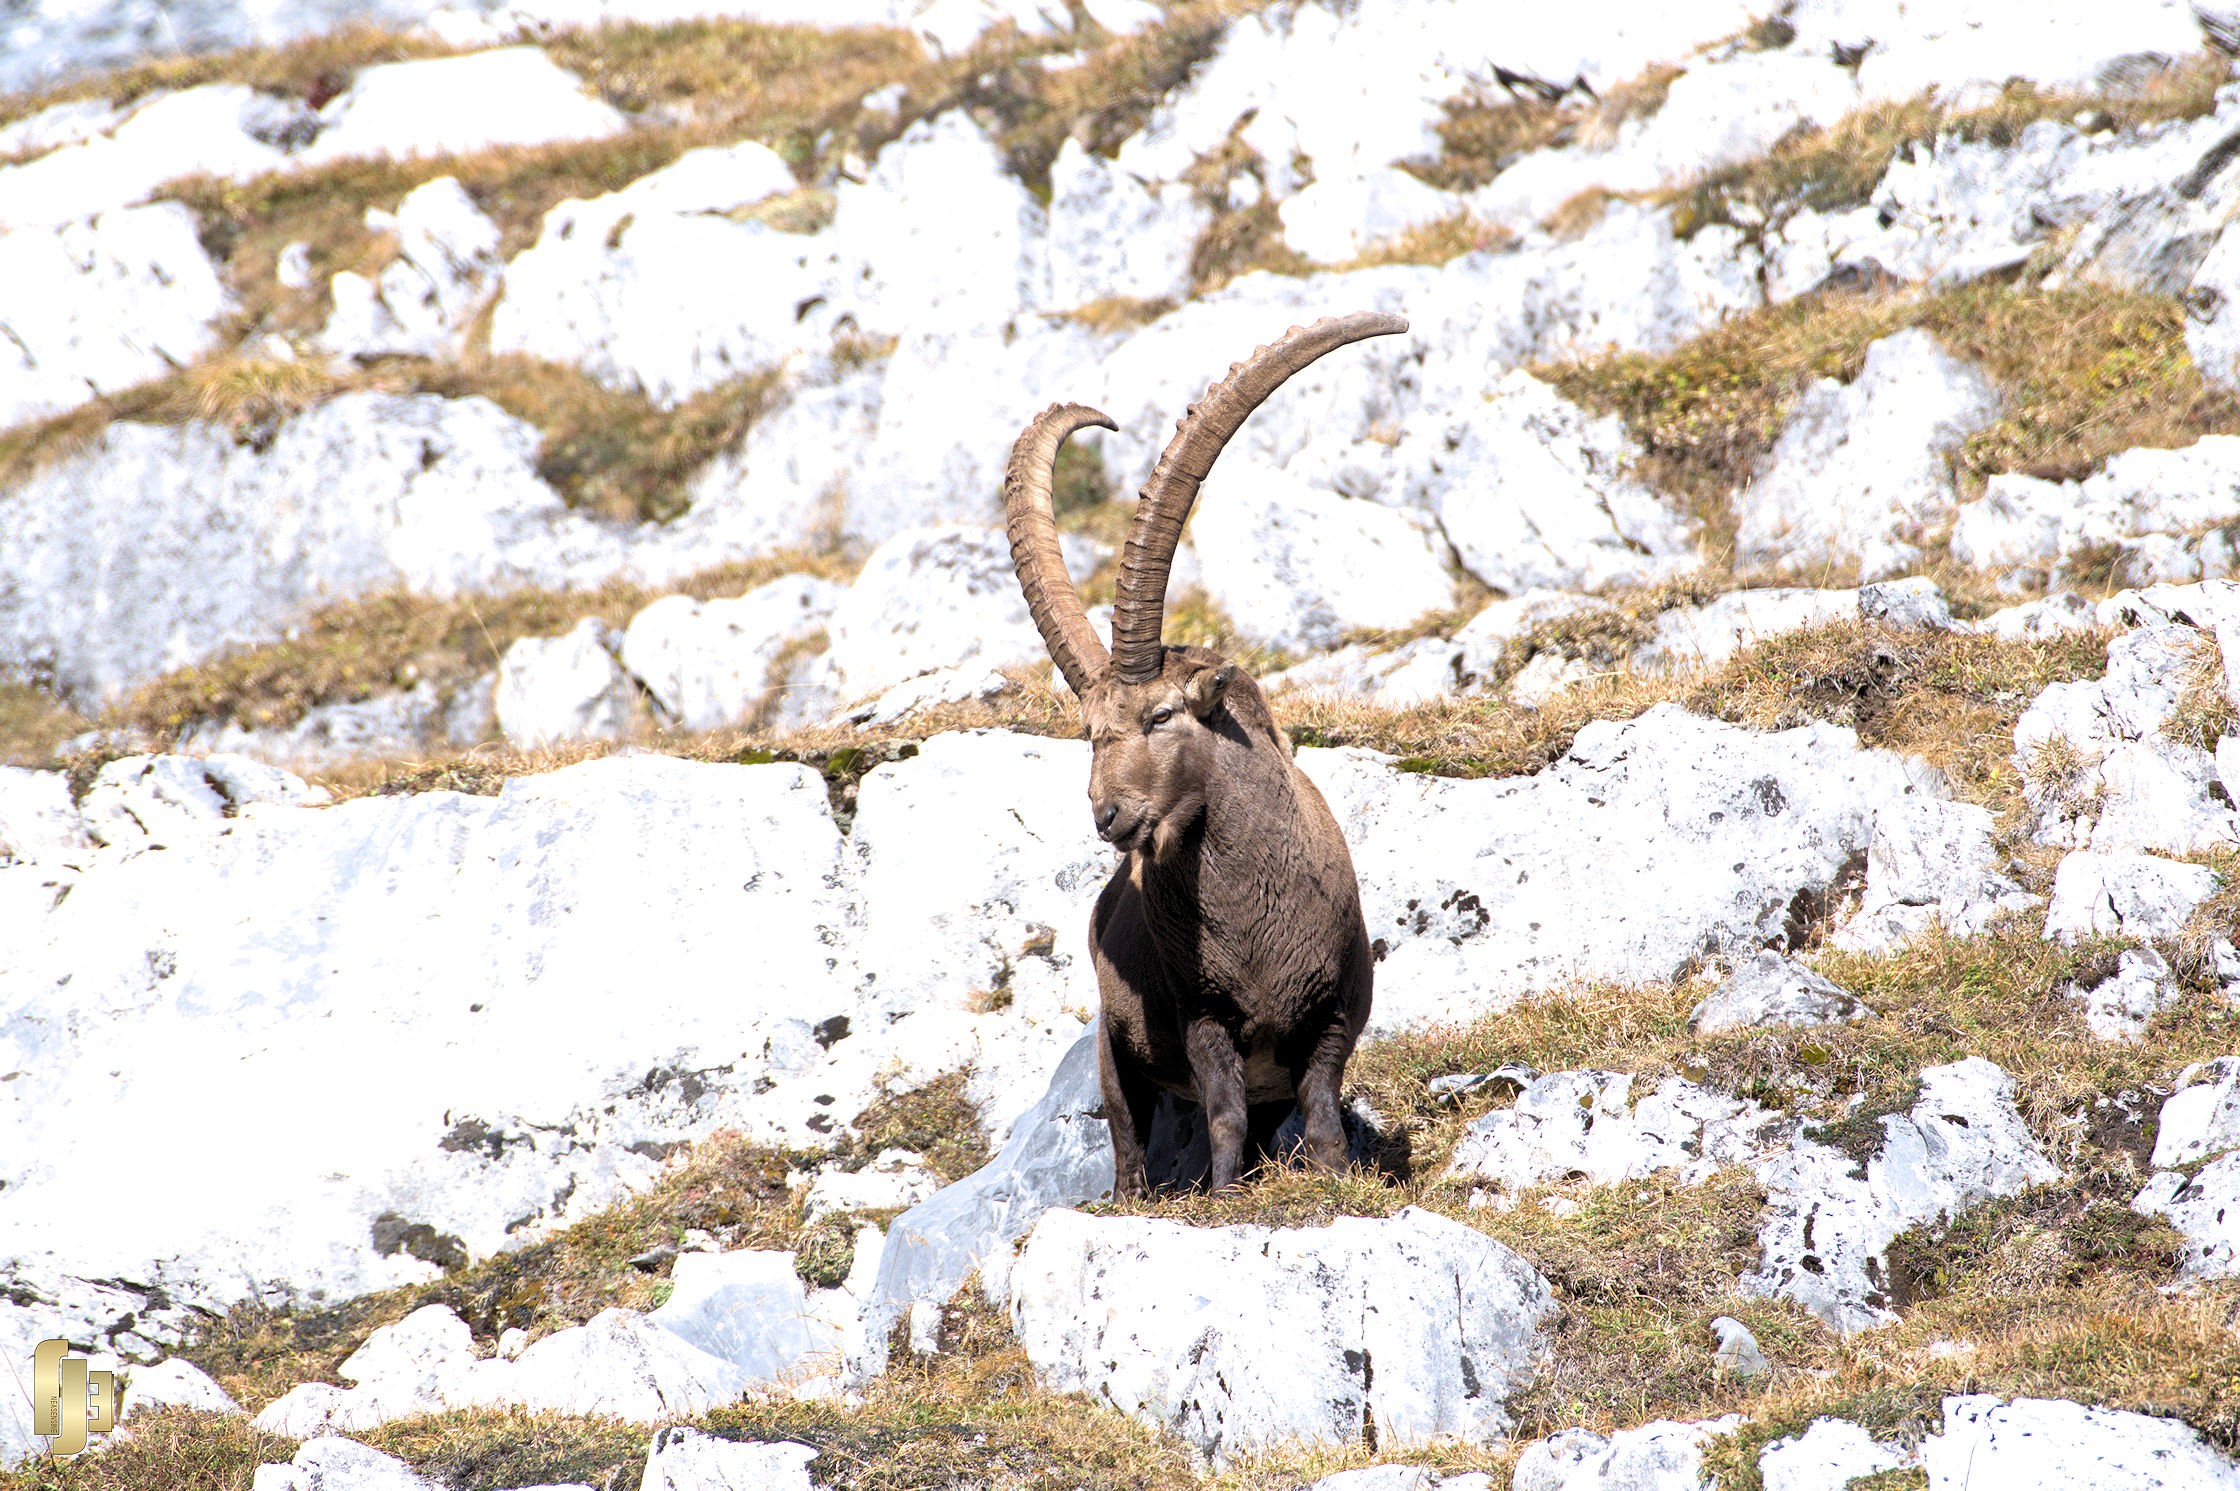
x=1230, y=949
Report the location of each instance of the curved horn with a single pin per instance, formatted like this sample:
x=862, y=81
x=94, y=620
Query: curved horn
x=1033, y=530
x=1139, y=610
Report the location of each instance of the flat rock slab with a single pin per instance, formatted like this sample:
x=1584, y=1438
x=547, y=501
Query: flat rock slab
x=1593, y=1126
x=1237, y=1338
x=1660, y=1456
x=2049, y=1442
x=1771, y=990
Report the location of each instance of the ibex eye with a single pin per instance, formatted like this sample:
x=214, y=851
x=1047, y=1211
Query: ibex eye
x=1161, y=715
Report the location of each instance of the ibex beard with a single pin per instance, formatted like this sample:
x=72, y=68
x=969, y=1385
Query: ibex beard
x=1232, y=960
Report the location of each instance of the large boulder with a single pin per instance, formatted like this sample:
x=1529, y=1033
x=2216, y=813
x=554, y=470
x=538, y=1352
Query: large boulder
x=226, y=130
x=458, y=105
x=2046, y=1442
x=1859, y=473
x=1648, y=844
x=1238, y=1338
x=100, y=305
x=934, y=597
x=1593, y=1126
x=156, y=547
x=711, y=663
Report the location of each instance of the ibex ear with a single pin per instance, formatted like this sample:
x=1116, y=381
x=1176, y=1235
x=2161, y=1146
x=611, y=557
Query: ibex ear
x=1207, y=687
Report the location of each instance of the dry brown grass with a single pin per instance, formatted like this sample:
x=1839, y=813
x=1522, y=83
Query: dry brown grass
x=1434, y=243
x=2086, y=371
x=362, y=648
x=1487, y=132
x=166, y=1449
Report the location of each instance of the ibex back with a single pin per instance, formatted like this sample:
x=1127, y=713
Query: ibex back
x=1230, y=951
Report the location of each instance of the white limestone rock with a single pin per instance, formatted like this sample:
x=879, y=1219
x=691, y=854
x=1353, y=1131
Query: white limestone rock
x=619, y=1363
x=1336, y=217
x=458, y=105
x=1649, y=843
x=2048, y=1442
x=934, y=597
x=2027, y=525
x=570, y=687
x=2209, y=606
x=360, y=962
x=329, y=1462
x=654, y=288
x=1915, y=604
x=164, y=802
x=172, y=1383
x=2037, y=621
x=1658, y=1456
x=1931, y=862
x=2202, y=1118
x=2206, y=1208
x=1534, y=492
x=1489, y=639
x=783, y=487
x=1422, y=1323
x=2124, y=895
x=2099, y=771
x=953, y=401
x=2120, y=1005
x=749, y=1308
x=2213, y=331
x=1828, y=1456
x=1859, y=472
x=1771, y=990
x=100, y=305
x=1738, y=1350
x=927, y=691
x=895, y=1180
x=1593, y=1126
x=387, y=725
x=1627, y=284
x=1111, y=234
x=1829, y=1217
x=446, y=270
x=709, y=663
x=226, y=130
x=157, y=547
x=1707, y=635
x=1427, y=668
x=38, y=821
x=1298, y=566
x=682, y=1458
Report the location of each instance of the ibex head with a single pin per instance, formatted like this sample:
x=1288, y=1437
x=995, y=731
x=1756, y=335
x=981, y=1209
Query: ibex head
x=1152, y=713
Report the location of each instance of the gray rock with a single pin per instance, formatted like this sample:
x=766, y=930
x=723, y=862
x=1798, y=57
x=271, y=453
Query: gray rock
x=2126, y=895
x=1829, y=1216
x=156, y=546
x=709, y=663
x=225, y=130
x=1738, y=1350
x=332, y=1463
x=1828, y=1456
x=1772, y=990
x=1591, y=1126
x=1111, y=234
x=927, y=691
x=1859, y=472
x=1237, y=1338
x=749, y=1308
x=1059, y=1154
x=173, y=1383
x=1916, y=604
x=1930, y=862
x=572, y=687
x=1707, y=635
x=2120, y=1005
x=2202, y=1118
x=2048, y=1442
x=100, y=305
x=1659, y=1456
x=682, y=1458
x=446, y=270
x=931, y=598
x=163, y=802
x=38, y=821
x=2206, y=1208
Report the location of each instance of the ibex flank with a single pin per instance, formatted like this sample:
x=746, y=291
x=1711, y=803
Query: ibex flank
x=1230, y=950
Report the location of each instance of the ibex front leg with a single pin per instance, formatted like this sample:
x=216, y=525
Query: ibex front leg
x=1218, y=1070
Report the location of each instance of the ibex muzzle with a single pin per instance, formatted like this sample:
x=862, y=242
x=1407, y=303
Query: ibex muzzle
x=1230, y=951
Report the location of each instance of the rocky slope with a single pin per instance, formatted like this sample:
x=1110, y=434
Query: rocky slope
x=542, y=878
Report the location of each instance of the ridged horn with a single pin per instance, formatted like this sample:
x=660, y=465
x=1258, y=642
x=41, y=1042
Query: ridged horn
x=1033, y=530
x=1139, y=610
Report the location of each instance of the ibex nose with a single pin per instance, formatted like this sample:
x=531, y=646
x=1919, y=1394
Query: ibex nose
x=1106, y=814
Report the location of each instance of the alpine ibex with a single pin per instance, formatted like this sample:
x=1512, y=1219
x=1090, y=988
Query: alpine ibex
x=1230, y=950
